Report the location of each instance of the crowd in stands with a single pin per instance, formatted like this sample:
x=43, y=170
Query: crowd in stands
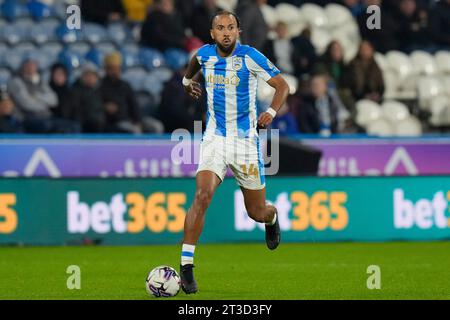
x=99, y=99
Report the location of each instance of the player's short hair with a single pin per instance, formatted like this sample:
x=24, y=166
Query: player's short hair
x=224, y=13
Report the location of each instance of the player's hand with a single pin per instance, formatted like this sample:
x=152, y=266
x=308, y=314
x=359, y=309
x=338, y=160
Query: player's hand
x=265, y=119
x=194, y=90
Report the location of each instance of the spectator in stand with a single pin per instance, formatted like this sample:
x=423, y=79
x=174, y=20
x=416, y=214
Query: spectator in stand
x=332, y=62
x=8, y=121
x=440, y=24
x=185, y=9
x=201, y=20
x=254, y=27
x=285, y=121
x=177, y=109
x=365, y=78
x=120, y=105
x=34, y=100
x=136, y=10
x=102, y=11
x=294, y=56
x=59, y=83
x=383, y=39
x=86, y=100
x=412, y=27
x=163, y=28
x=322, y=112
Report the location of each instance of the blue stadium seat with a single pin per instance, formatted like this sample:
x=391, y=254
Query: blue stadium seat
x=79, y=47
x=176, y=58
x=153, y=85
x=12, y=10
x=151, y=58
x=94, y=33
x=135, y=77
x=106, y=47
x=52, y=49
x=39, y=10
x=164, y=74
x=13, y=34
x=45, y=31
x=130, y=58
x=95, y=56
x=119, y=33
x=67, y=36
x=13, y=59
x=5, y=75
x=44, y=60
x=70, y=59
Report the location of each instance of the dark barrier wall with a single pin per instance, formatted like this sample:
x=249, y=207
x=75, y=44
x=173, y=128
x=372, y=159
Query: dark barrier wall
x=146, y=211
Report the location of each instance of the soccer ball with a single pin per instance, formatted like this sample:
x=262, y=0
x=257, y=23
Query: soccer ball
x=163, y=281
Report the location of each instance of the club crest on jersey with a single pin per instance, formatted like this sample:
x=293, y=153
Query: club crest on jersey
x=237, y=63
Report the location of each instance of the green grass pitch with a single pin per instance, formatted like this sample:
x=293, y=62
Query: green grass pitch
x=409, y=270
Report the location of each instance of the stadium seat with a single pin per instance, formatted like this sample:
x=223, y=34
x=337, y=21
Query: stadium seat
x=440, y=111
x=290, y=15
x=162, y=73
x=5, y=75
x=12, y=10
x=423, y=63
x=446, y=84
x=314, y=15
x=391, y=84
x=13, y=59
x=228, y=5
x=66, y=35
x=44, y=31
x=176, y=58
x=394, y=111
x=52, y=49
x=12, y=34
x=151, y=58
x=39, y=10
x=381, y=61
x=265, y=92
x=136, y=77
x=95, y=56
x=442, y=60
x=106, y=47
x=408, y=127
x=400, y=63
x=429, y=88
x=270, y=15
x=381, y=127
x=130, y=58
x=119, y=33
x=79, y=47
x=153, y=85
x=348, y=36
x=94, y=33
x=320, y=38
x=70, y=59
x=337, y=15
x=367, y=112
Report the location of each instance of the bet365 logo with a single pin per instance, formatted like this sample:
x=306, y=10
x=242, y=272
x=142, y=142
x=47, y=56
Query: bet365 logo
x=299, y=211
x=130, y=213
x=424, y=213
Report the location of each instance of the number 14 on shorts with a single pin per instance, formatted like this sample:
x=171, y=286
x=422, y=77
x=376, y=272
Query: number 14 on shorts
x=252, y=170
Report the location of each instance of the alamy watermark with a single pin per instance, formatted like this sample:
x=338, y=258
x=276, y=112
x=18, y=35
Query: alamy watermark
x=374, y=280
x=74, y=280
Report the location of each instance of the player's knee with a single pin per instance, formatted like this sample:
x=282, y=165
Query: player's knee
x=203, y=198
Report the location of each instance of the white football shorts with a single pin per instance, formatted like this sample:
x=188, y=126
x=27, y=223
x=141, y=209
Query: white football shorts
x=242, y=155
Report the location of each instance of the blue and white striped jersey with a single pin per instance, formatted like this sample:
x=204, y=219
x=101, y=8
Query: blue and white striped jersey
x=231, y=85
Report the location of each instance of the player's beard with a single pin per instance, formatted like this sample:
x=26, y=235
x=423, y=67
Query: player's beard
x=227, y=50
